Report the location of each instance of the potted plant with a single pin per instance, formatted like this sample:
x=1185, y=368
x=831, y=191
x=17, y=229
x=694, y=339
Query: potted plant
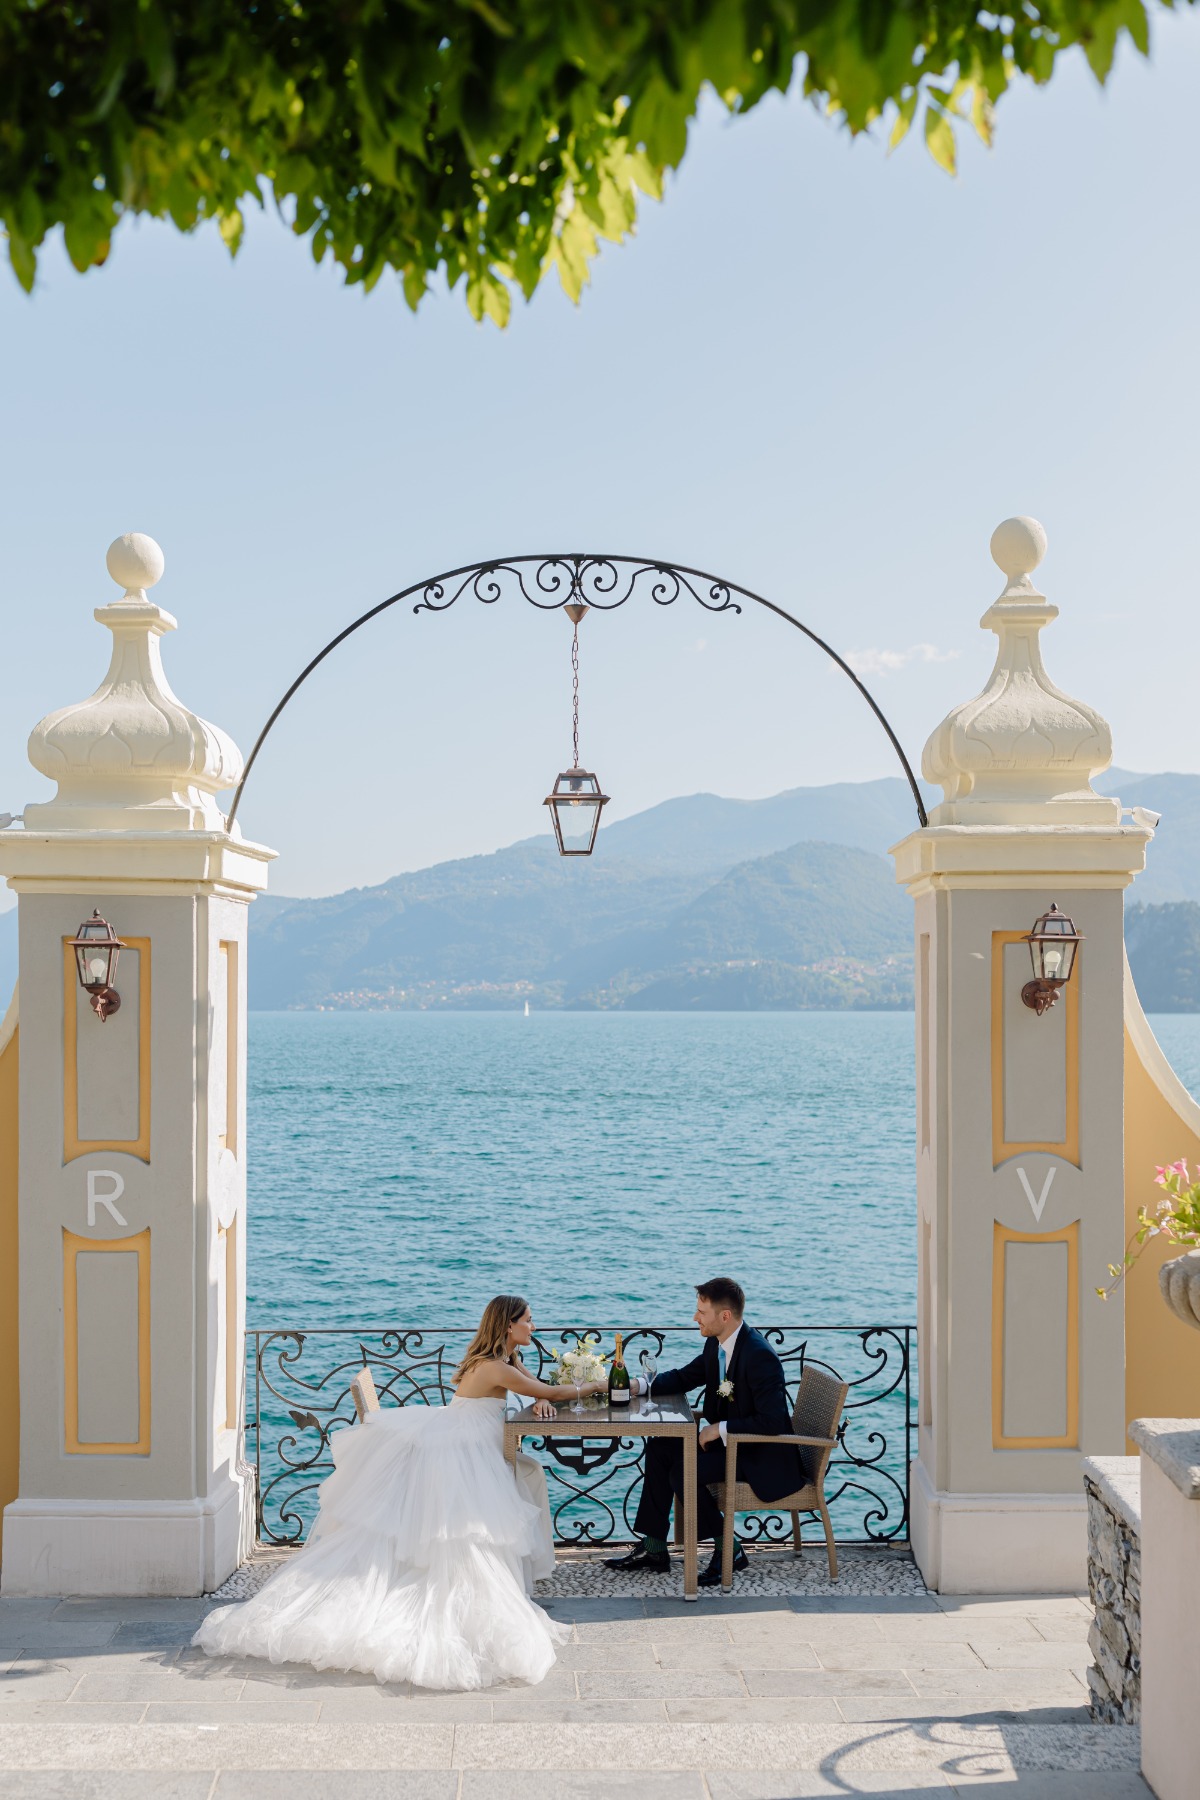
x=1177, y=1219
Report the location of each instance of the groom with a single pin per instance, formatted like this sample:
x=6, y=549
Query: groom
x=744, y=1392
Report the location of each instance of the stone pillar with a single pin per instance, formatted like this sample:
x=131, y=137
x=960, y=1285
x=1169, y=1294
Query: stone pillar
x=131, y=1190
x=1019, y=1118
x=1170, y=1485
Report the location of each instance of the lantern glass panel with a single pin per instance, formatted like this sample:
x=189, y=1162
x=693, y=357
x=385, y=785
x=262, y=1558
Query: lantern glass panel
x=577, y=820
x=575, y=805
x=96, y=950
x=94, y=967
x=1052, y=947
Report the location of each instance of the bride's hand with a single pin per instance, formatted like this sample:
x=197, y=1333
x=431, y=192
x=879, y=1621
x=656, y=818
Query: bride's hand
x=543, y=1409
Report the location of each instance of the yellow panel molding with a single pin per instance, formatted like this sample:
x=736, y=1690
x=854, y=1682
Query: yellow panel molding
x=72, y=1245
x=1002, y=1237
x=10, y=1375
x=1002, y=1149
x=228, y=969
x=73, y=1145
x=227, y=1239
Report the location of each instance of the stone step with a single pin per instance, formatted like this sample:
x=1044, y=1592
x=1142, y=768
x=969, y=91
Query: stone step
x=945, y=1748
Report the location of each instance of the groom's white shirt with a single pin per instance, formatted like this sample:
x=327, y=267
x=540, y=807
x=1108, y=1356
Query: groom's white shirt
x=640, y=1384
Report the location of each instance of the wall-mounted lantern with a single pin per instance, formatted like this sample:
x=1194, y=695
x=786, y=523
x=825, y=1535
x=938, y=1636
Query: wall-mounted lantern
x=575, y=801
x=97, y=948
x=1053, y=944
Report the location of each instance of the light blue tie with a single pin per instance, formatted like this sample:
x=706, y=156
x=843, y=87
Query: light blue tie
x=721, y=1362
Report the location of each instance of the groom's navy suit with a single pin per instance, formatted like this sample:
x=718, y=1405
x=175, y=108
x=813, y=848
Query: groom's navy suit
x=758, y=1406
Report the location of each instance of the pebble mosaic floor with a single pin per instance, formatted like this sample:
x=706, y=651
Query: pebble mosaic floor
x=862, y=1569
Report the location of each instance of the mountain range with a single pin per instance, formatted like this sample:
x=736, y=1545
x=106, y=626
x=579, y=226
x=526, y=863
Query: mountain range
x=787, y=902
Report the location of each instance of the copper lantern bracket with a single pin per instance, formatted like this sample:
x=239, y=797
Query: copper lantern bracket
x=1040, y=995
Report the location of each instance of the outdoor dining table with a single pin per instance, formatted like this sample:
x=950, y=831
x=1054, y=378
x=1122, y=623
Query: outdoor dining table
x=668, y=1416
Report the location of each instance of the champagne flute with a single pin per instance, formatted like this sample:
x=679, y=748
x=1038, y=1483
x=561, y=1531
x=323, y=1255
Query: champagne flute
x=649, y=1364
x=578, y=1407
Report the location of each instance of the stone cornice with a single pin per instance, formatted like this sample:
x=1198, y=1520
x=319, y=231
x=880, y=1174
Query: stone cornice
x=133, y=862
x=962, y=856
x=1173, y=1445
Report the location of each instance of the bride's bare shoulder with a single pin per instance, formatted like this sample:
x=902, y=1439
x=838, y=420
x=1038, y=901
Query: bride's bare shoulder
x=483, y=1379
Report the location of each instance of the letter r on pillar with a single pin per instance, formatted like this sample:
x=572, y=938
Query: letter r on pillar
x=109, y=1200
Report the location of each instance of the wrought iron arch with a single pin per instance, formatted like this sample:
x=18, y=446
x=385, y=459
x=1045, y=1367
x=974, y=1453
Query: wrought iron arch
x=551, y=582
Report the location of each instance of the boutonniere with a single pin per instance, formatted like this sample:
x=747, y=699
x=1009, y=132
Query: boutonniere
x=725, y=1389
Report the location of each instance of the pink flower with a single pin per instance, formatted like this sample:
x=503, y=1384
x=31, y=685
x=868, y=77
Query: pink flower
x=1180, y=1168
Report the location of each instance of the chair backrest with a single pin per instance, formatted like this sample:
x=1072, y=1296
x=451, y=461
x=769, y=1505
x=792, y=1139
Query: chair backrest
x=817, y=1413
x=362, y=1390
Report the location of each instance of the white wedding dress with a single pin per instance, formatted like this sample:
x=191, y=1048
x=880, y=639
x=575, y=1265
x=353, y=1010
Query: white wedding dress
x=420, y=1563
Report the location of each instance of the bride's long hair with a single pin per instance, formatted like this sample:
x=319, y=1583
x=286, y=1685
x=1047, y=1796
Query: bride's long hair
x=490, y=1343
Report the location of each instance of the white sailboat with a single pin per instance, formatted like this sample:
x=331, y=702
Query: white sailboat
x=527, y=1009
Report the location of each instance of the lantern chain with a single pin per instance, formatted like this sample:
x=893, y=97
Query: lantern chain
x=575, y=692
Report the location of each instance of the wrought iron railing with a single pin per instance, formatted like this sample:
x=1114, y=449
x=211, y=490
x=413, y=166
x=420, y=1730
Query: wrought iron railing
x=298, y=1396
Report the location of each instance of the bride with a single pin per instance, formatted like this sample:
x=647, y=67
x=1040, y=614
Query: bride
x=427, y=1543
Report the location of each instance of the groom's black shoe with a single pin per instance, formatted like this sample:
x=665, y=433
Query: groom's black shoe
x=712, y=1575
x=654, y=1562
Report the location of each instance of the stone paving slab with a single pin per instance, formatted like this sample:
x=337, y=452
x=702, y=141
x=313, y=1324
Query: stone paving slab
x=349, y=1785
x=971, y=1710
x=58, y=1784
x=1043, y=1785
x=560, y=1784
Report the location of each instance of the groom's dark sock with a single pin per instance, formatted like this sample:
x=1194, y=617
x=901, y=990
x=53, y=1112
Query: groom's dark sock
x=654, y=1546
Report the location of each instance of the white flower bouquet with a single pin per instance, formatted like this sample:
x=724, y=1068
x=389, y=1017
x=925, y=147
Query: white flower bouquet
x=580, y=1364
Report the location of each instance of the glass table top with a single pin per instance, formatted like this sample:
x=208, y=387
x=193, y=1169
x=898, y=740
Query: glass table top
x=666, y=1409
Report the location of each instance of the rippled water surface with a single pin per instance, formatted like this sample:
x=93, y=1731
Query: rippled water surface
x=406, y=1166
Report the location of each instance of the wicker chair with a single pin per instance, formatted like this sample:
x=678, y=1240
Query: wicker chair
x=362, y=1392
x=815, y=1419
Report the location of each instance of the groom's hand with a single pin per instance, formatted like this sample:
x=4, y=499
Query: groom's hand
x=709, y=1434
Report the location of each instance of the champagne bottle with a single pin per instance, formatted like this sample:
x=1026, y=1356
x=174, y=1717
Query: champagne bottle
x=618, y=1377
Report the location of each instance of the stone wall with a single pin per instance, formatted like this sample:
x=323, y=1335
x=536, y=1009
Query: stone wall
x=1112, y=1486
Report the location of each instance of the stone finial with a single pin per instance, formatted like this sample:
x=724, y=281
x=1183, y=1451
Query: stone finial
x=132, y=757
x=1022, y=752
x=135, y=563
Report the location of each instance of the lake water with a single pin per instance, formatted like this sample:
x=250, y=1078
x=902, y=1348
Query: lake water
x=403, y=1167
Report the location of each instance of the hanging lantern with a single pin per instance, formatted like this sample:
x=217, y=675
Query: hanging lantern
x=1053, y=944
x=97, y=948
x=575, y=801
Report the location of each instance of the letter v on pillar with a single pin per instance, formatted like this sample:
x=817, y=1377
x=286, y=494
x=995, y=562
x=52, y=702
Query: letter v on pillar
x=131, y=1197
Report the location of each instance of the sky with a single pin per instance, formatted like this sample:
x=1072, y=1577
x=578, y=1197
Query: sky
x=819, y=371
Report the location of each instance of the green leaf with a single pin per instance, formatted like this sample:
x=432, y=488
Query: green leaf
x=86, y=239
x=658, y=122
x=497, y=301
x=24, y=261
x=415, y=284
x=939, y=139
x=904, y=118
x=231, y=226
x=983, y=116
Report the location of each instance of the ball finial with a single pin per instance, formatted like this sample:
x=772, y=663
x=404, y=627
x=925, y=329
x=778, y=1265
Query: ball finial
x=1018, y=546
x=135, y=561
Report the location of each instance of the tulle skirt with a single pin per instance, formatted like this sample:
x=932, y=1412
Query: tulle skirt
x=418, y=1564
